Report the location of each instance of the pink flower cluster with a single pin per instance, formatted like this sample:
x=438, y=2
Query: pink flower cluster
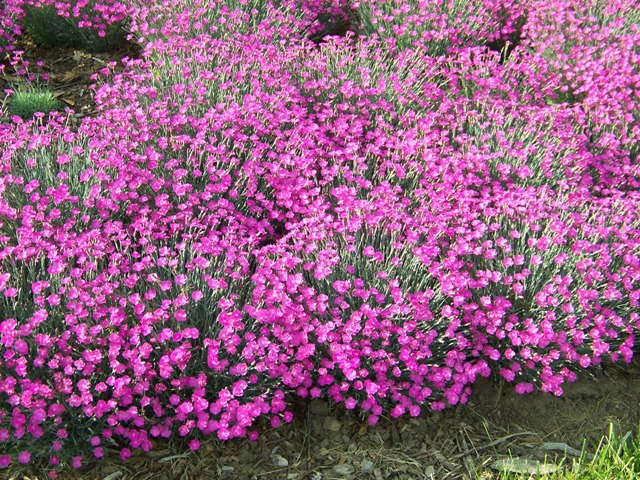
x=436, y=26
x=589, y=52
x=254, y=217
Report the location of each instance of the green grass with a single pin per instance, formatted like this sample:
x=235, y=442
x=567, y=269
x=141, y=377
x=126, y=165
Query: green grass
x=25, y=103
x=617, y=457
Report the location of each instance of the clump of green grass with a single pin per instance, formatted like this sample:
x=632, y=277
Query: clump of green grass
x=617, y=457
x=49, y=29
x=25, y=103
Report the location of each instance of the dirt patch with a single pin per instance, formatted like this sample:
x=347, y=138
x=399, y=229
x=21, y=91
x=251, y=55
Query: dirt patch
x=584, y=412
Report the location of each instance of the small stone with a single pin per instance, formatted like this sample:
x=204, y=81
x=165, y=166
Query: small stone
x=318, y=407
x=227, y=468
x=344, y=470
x=366, y=466
x=279, y=460
x=435, y=416
x=430, y=473
x=332, y=424
x=316, y=476
x=114, y=475
x=316, y=424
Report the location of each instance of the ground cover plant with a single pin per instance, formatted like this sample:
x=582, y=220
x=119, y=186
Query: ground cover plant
x=261, y=211
x=26, y=103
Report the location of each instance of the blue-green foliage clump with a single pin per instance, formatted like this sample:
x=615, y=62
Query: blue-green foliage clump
x=27, y=102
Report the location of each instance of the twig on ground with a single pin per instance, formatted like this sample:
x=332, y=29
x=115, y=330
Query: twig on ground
x=492, y=444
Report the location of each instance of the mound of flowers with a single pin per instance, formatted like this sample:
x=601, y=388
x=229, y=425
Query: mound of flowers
x=259, y=213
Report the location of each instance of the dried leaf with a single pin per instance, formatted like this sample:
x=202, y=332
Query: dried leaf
x=113, y=476
x=344, y=470
x=10, y=78
x=561, y=447
x=67, y=77
x=524, y=466
x=173, y=457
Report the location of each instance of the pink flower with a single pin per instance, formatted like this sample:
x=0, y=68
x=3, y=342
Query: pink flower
x=11, y=292
x=24, y=457
x=341, y=287
x=197, y=295
x=397, y=411
x=560, y=258
x=62, y=159
x=522, y=388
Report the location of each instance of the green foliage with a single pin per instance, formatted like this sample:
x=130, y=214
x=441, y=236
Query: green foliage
x=25, y=103
x=49, y=29
x=617, y=457
x=4, y=42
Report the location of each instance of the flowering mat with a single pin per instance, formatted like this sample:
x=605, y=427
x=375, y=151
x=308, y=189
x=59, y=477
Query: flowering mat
x=316, y=239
